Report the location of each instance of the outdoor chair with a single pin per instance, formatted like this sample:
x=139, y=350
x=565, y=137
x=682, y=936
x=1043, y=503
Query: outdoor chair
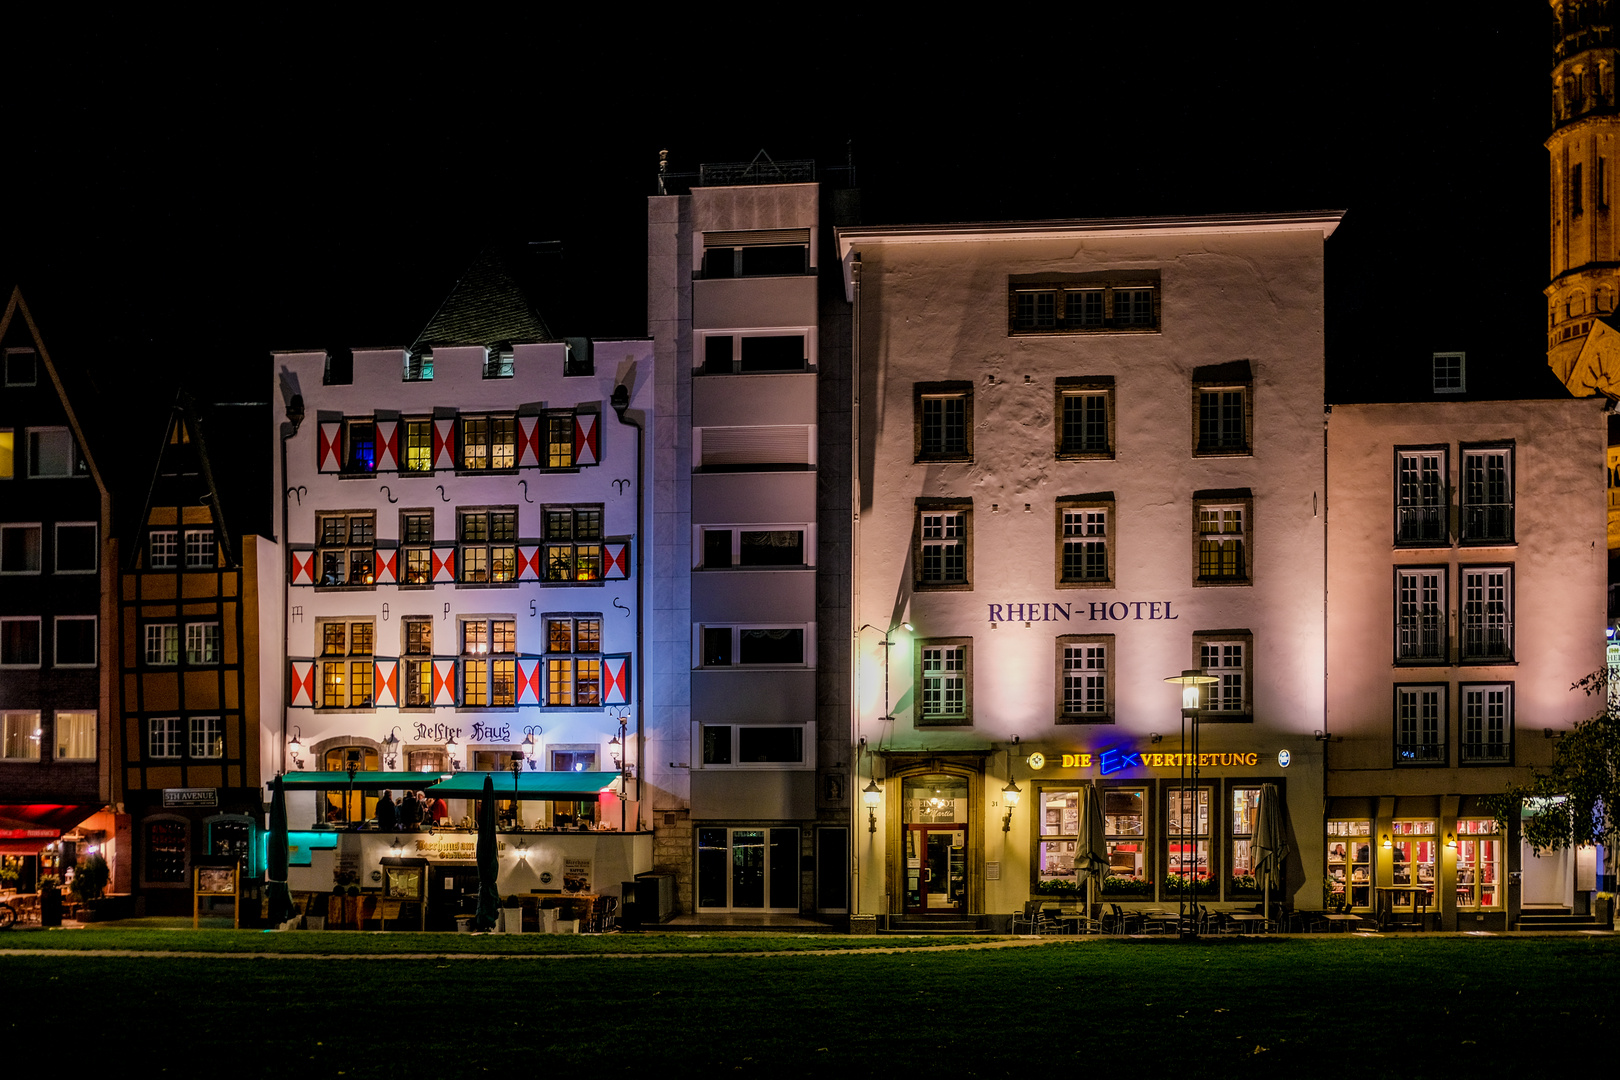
x=606, y=915
x=1120, y=921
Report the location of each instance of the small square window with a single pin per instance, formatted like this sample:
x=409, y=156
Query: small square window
x=52, y=454
x=1450, y=372
x=20, y=549
x=76, y=548
x=163, y=737
x=162, y=549
x=75, y=735
x=207, y=737
x=76, y=641
x=201, y=549
x=19, y=736
x=19, y=642
x=21, y=367
x=162, y=644
x=1227, y=656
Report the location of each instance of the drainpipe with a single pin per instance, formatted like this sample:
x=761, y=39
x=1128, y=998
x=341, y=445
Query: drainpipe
x=621, y=402
x=295, y=418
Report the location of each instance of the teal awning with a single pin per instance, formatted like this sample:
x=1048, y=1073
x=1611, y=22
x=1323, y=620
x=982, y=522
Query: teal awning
x=531, y=786
x=367, y=781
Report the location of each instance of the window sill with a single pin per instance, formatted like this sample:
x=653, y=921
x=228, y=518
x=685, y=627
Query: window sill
x=1096, y=583
x=1440, y=763
x=489, y=584
x=19, y=761
x=944, y=721
x=1496, y=763
x=1219, y=451
x=1225, y=718
x=1082, y=331
x=362, y=710
x=1443, y=542
x=941, y=586
x=1481, y=542
x=1219, y=583
x=1487, y=661
x=1084, y=455
x=754, y=667
x=345, y=588
x=1085, y=718
x=512, y=471
x=943, y=459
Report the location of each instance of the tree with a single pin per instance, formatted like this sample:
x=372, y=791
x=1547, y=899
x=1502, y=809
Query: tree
x=1576, y=801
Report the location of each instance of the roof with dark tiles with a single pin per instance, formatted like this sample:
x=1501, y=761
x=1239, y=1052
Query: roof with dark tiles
x=486, y=306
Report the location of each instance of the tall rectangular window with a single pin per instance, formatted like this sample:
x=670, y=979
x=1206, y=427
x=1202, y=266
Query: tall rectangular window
x=1420, y=614
x=162, y=644
x=346, y=664
x=1487, y=495
x=943, y=419
x=416, y=547
x=1479, y=863
x=1226, y=657
x=418, y=445
x=488, y=442
x=1084, y=551
x=944, y=676
x=574, y=660
x=1420, y=497
x=942, y=552
x=1085, y=422
x=418, y=663
x=1187, y=823
x=1125, y=833
x=201, y=549
x=1085, y=679
x=489, y=663
x=1420, y=725
x=1487, y=724
x=359, y=446
x=560, y=440
x=1487, y=613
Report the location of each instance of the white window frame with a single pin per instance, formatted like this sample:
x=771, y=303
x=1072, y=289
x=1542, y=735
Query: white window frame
x=206, y=738
x=941, y=685
x=39, y=642
x=940, y=529
x=1217, y=436
x=807, y=748
x=1085, y=684
x=20, y=728
x=1220, y=700
x=199, y=646
x=23, y=350
x=95, y=546
x=56, y=642
x=201, y=549
x=346, y=550
x=38, y=529
x=700, y=349
x=1221, y=512
x=161, y=644
x=571, y=658
x=349, y=659
x=163, y=738
x=1086, y=528
x=1078, y=394
x=94, y=732
x=487, y=656
x=737, y=630
x=162, y=549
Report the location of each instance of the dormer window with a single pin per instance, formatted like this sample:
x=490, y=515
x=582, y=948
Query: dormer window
x=1450, y=373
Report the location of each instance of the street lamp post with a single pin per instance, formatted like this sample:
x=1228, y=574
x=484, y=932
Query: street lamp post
x=871, y=794
x=1192, y=682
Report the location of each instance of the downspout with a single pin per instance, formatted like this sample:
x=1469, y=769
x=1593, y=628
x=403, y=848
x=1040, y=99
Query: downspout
x=855, y=576
x=295, y=418
x=621, y=402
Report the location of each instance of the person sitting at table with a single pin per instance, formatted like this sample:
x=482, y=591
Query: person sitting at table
x=438, y=812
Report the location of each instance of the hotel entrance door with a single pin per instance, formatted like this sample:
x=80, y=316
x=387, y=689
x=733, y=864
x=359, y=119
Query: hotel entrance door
x=936, y=869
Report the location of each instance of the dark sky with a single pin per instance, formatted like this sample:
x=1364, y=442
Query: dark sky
x=199, y=193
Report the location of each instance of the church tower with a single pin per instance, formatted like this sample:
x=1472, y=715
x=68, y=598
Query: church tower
x=1583, y=339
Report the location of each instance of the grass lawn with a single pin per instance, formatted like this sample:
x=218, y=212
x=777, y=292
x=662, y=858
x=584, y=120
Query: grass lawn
x=1412, y=1007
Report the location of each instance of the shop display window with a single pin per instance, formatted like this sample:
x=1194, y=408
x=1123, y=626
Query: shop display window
x=348, y=806
x=1060, y=832
x=1479, y=863
x=1413, y=851
x=1245, y=801
x=1349, y=863
x=1187, y=825
x=1125, y=829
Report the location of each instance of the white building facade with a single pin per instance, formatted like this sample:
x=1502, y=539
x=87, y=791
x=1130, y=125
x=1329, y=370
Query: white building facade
x=463, y=520
x=1088, y=456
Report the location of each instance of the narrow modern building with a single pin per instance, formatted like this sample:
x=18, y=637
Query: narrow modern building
x=1088, y=458
x=1465, y=598
x=752, y=790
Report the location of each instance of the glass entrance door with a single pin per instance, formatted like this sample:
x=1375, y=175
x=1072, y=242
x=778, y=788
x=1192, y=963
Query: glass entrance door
x=936, y=869
x=747, y=869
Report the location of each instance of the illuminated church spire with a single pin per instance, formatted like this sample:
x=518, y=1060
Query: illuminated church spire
x=1583, y=340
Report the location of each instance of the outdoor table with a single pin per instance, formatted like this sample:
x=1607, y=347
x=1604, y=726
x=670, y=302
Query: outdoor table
x=1342, y=920
x=1247, y=919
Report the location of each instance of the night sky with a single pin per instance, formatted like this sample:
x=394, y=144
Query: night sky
x=184, y=196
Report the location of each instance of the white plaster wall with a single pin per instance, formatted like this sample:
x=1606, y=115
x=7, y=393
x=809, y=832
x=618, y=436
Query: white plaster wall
x=1560, y=572
x=931, y=311
x=458, y=383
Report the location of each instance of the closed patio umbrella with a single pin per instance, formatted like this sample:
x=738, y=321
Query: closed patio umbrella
x=1091, y=854
x=1270, y=843
x=488, y=900
x=279, y=898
